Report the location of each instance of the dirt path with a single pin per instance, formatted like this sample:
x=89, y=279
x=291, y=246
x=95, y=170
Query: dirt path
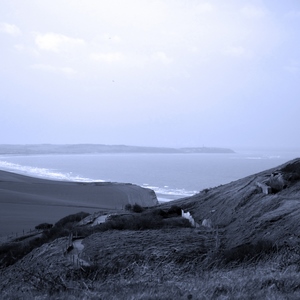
x=100, y=220
x=75, y=253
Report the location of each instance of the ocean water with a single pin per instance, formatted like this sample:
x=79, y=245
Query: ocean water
x=171, y=176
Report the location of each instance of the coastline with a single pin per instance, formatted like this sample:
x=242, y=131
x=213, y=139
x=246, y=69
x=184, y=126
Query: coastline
x=27, y=201
x=40, y=149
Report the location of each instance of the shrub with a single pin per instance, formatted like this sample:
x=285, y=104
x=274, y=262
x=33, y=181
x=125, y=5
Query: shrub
x=131, y=222
x=248, y=251
x=71, y=219
x=174, y=210
x=128, y=207
x=142, y=221
x=12, y=252
x=44, y=226
x=176, y=222
x=148, y=222
x=159, y=212
x=137, y=208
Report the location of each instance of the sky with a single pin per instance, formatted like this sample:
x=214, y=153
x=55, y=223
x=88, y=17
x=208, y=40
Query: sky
x=175, y=73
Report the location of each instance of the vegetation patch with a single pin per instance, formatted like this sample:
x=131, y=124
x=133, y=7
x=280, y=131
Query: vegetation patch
x=249, y=251
x=11, y=252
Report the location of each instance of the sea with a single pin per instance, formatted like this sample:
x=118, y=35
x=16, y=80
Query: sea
x=171, y=176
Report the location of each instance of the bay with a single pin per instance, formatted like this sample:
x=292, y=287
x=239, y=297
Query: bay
x=171, y=176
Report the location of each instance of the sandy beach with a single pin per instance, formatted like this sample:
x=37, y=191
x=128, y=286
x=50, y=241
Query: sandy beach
x=26, y=201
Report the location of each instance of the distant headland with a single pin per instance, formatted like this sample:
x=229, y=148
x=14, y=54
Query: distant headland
x=34, y=149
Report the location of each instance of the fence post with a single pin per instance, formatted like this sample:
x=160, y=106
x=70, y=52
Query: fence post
x=217, y=238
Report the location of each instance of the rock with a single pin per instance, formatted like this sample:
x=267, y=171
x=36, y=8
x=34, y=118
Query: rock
x=207, y=223
x=264, y=187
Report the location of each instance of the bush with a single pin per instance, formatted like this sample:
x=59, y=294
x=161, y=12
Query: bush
x=147, y=220
x=159, y=212
x=12, y=252
x=74, y=218
x=174, y=210
x=44, y=226
x=248, y=251
x=137, y=208
x=128, y=207
x=176, y=222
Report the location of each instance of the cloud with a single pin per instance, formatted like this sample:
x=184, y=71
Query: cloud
x=21, y=48
x=253, y=12
x=108, y=57
x=57, y=42
x=238, y=51
x=49, y=68
x=162, y=58
x=10, y=29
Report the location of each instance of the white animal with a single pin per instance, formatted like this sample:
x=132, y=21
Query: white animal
x=189, y=217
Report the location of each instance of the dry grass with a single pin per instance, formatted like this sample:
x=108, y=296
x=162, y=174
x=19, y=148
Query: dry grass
x=171, y=263
x=260, y=281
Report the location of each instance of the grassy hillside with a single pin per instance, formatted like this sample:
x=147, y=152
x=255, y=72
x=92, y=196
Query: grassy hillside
x=246, y=214
x=251, y=251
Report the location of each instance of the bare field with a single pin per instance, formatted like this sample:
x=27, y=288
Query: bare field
x=26, y=201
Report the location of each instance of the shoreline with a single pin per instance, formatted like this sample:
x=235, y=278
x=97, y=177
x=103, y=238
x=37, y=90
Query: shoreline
x=28, y=201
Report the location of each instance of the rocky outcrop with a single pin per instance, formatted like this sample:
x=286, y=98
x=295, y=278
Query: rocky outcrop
x=266, y=189
x=207, y=223
x=281, y=179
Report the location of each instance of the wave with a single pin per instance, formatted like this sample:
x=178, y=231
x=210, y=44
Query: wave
x=167, y=194
x=42, y=172
x=264, y=157
x=163, y=194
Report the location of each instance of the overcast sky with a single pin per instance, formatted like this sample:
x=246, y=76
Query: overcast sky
x=154, y=73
